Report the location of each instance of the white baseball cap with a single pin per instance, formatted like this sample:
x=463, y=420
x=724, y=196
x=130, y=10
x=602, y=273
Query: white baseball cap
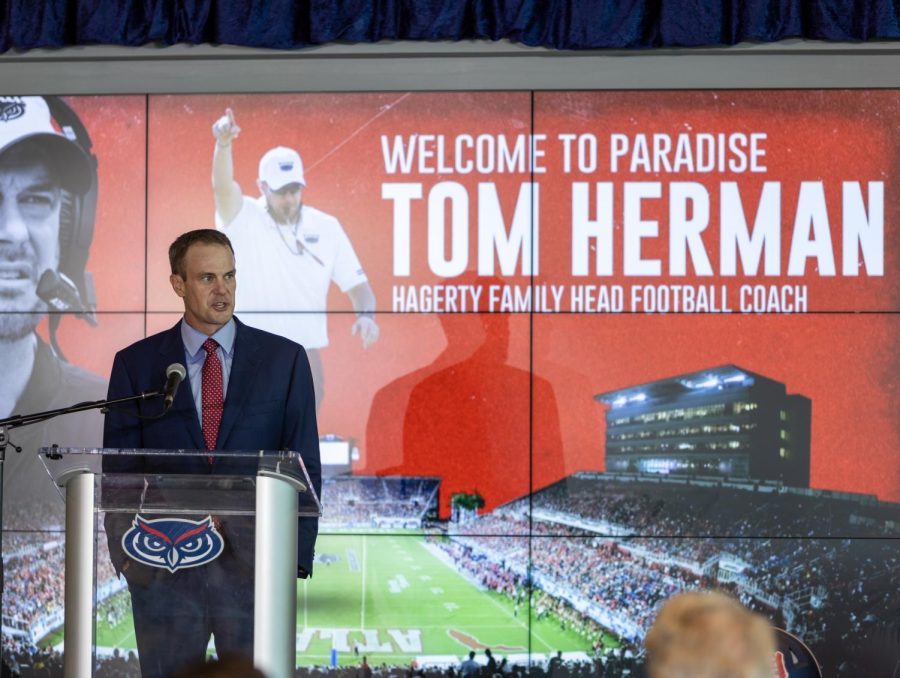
x=281, y=166
x=28, y=119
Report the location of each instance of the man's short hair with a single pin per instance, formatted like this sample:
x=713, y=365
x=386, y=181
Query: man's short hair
x=707, y=634
x=202, y=236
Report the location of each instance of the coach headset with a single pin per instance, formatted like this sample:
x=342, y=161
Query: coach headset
x=72, y=288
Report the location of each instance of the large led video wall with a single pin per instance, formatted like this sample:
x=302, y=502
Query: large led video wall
x=574, y=352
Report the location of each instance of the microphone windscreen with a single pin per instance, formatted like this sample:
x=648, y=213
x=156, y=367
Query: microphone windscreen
x=59, y=293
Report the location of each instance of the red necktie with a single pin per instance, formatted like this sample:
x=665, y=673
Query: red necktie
x=212, y=394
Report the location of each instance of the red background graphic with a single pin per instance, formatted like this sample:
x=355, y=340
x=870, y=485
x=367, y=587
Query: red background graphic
x=467, y=397
x=845, y=362
x=827, y=136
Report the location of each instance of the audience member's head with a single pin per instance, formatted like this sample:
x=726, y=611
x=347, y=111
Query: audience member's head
x=709, y=635
x=227, y=666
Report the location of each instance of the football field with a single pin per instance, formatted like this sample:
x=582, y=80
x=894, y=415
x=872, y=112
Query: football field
x=393, y=598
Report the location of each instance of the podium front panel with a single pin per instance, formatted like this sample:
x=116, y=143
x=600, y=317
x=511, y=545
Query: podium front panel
x=174, y=552
x=185, y=550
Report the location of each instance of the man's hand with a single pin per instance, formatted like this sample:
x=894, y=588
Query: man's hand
x=225, y=129
x=137, y=574
x=226, y=190
x=368, y=329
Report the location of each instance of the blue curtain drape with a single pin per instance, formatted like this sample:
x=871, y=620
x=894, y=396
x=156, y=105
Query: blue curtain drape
x=559, y=24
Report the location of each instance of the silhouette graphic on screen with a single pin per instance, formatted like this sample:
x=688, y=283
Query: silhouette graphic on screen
x=468, y=415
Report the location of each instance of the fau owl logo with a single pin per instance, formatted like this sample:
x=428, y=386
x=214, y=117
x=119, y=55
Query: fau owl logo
x=793, y=659
x=173, y=543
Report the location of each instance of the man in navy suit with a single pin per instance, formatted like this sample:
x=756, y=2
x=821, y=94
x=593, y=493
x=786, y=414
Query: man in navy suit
x=265, y=401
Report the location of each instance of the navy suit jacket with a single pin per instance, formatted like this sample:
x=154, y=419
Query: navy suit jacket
x=269, y=405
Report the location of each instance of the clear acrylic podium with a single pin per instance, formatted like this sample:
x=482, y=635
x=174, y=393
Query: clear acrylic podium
x=181, y=519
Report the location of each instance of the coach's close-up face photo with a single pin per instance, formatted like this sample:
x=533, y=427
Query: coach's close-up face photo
x=37, y=166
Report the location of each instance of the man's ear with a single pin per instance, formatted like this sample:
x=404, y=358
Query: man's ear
x=177, y=283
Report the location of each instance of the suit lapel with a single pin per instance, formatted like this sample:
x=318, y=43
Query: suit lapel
x=171, y=350
x=243, y=373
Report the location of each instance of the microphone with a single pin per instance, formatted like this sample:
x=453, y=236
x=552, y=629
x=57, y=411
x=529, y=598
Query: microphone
x=175, y=373
x=61, y=295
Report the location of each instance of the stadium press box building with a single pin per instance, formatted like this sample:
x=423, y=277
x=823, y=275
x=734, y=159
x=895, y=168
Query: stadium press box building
x=724, y=421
